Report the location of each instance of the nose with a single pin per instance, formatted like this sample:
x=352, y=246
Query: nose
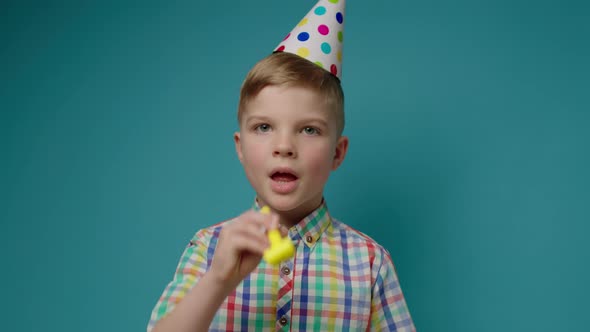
x=284, y=147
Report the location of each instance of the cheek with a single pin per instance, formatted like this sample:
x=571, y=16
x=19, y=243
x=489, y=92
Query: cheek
x=253, y=154
x=253, y=162
x=320, y=162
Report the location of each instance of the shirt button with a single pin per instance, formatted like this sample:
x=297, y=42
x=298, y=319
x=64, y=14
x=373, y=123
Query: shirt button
x=309, y=239
x=286, y=270
x=283, y=321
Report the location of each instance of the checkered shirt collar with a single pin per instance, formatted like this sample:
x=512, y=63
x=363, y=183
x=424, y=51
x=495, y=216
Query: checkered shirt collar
x=310, y=228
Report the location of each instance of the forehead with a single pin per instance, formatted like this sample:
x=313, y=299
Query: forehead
x=288, y=102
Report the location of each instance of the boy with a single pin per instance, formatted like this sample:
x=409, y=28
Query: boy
x=291, y=120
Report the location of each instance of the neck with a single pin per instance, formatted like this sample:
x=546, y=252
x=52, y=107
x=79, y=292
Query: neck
x=293, y=217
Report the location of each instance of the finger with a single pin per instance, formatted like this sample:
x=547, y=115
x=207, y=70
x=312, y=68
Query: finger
x=284, y=230
x=251, y=216
x=274, y=221
x=241, y=242
x=254, y=232
x=250, y=228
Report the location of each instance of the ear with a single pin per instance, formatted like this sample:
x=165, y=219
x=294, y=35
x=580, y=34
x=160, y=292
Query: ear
x=238, y=144
x=340, y=153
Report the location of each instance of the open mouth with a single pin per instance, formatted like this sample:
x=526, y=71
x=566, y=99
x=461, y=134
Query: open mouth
x=283, y=176
x=284, y=180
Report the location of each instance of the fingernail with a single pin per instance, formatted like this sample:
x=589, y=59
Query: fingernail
x=275, y=221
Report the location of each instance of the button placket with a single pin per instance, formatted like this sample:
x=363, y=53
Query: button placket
x=286, y=270
x=285, y=298
x=283, y=321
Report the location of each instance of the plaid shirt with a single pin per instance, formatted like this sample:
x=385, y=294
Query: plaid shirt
x=338, y=280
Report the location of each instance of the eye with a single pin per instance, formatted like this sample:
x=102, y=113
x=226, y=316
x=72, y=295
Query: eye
x=311, y=131
x=262, y=128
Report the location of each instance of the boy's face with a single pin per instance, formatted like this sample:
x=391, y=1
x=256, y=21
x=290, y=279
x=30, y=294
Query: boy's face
x=288, y=144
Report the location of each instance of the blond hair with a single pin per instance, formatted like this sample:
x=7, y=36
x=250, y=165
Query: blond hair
x=287, y=69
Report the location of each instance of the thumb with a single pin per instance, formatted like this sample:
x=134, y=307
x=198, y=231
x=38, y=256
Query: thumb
x=274, y=221
x=284, y=230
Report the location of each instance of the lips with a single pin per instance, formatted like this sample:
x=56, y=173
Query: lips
x=284, y=174
x=284, y=180
x=283, y=177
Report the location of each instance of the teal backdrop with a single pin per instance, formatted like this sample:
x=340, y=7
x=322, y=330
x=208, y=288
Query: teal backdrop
x=469, y=158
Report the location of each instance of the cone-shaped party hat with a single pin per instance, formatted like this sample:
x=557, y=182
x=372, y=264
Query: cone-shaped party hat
x=318, y=36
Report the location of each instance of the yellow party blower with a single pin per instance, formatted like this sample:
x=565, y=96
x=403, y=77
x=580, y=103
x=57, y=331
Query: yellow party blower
x=280, y=248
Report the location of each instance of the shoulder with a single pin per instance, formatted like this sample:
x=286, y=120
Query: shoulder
x=351, y=236
x=209, y=234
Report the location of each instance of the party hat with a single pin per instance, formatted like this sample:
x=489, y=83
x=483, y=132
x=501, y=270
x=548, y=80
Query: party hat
x=318, y=36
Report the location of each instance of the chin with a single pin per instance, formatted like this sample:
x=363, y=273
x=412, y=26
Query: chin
x=283, y=204
x=288, y=204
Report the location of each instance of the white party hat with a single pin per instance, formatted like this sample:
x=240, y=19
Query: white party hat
x=318, y=36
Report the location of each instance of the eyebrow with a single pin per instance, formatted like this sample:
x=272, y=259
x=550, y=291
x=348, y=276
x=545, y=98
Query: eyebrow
x=322, y=122
x=258, y=118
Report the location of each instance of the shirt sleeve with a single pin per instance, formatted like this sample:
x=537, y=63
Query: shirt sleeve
x=389, y=311
x=192, y=266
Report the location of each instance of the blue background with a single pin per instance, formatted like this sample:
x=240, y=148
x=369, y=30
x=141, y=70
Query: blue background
x=469, y=126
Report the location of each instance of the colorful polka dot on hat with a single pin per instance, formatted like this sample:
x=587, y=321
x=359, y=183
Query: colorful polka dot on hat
x=318, y=36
